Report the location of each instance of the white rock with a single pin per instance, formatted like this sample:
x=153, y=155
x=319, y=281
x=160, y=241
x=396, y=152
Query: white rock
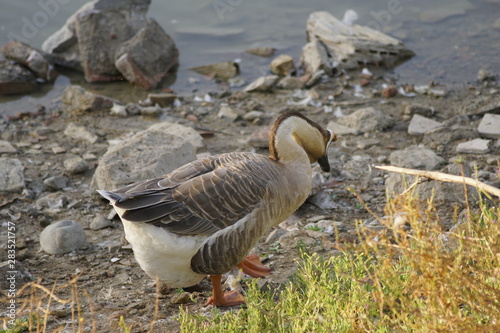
x=63, y=237
x=341, y=129
x=187, y=133
x=6, y=147
x=118, y=110
x=75, y=165
x=420, y=125
x=11, y=175
x=100, y=222
x=80, y=133
x=228, y=113
x=252, y=115
x=490, y=126
x=262, y=84
x=476, y=146
x=367, y=120
x=416, y=157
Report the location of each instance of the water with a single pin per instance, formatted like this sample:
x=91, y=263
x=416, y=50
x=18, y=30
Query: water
x=452, y=39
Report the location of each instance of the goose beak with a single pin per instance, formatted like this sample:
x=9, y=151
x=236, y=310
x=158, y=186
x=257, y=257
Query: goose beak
x=324, y=163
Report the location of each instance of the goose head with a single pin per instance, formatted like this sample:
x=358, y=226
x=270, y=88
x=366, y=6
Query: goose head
x=293, y=134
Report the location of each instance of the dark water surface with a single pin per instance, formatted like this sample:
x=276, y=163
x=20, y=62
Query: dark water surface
x=452, y=39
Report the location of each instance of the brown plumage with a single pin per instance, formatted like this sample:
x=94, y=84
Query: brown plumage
x=204, y=217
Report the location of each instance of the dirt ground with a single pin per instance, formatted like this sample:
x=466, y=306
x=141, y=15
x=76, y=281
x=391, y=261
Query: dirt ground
x=110, y=283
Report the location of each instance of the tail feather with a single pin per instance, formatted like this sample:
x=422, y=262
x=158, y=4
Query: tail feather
x=112, y=197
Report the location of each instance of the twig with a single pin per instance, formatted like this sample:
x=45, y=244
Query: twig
x=443, y=177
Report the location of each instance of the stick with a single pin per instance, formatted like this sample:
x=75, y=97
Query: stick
x=443, y=177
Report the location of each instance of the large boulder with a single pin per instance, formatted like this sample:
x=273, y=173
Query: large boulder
x=147, y=154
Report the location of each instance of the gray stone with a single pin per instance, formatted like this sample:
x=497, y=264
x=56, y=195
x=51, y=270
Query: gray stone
x=291, y=82
x=80, y=133
x=490, y=126
x=56, y=183
x=315, y=58
x=262, y=84
x=118, y=110
x=11, y=175
x=31, y=58
x=100, y=34
x=323, y=200
x=476, y=146
x=413, y=109
x=52, y=202
x=350, y=46
x=341, y=129
x=420, y=125
x=483, y=75
x=63, y=237
x=416, y=157
x=187, y=133
x=77, y=100
x=228, y=113
x=100, y=222
x=7, y=148
x=150, y=111
x=367, y=120
x=163, y=99
x=283, y=65
x=75, y=165
x=15, y=79
x=145, y=155
x=253, y=115
x=148, y=57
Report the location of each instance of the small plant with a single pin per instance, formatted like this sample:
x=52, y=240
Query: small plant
x=313, y=227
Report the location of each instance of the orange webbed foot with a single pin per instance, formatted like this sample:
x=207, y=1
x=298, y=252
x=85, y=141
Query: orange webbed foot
x=219, y=298
x=252, y=266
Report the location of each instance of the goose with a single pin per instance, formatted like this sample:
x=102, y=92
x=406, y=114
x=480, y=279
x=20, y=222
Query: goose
x=204, y=217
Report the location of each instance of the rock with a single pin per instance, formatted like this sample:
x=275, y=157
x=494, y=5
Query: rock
x=118, y=110
x=148, y=57
x=260, y=137
x=283, y=65
x=31, y=58
x=7, y=148
x=181, y=298
x=348, y=46
x=367, y=120
x=63, y=237
x=341, y=129
x=265, y=52
x=389, y=92
x=100, y=34
x=489, y=127
x=52, y=202
x=142, y=156
x=420, y=125
x=262, y=84
x=11, y=175
x=253, y=115
x=219, y=71
x=163, y=99
x=100, y=222
x=315, y=58
x=483, y=76
x=56, y=183
x=415, y=157
x=228, y=113
x=80, y=133
x=323, y=200
x=150, y=111
x=412, y=109
x=290, y=82
x=77, y=99
x=75, y=165
x=187, y=133
x=476, y=146
x=15, y=79
x=13, y=268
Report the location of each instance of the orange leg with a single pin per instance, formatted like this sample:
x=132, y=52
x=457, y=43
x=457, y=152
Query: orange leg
x=219, y=298
x=252, y=266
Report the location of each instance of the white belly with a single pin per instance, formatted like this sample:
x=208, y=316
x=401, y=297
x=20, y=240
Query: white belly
x=164, y=255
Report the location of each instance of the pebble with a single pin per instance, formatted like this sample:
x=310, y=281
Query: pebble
x=181, y=298
x=163, y=99
x=75, y=165
x=63, y=237
x=367, y=120
x=100, y=222
x=228, y=113
x=476, y=146
x=252, y=115
x=291, y=82
x=483, y=75
x=420, y=125
x=341, y=129
x=490, y=126
x=11, y=175
x=80, y=133
x=118, y=110
x=56, y=183
x=6, y=147
x=283, y=65
x=262, y=84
